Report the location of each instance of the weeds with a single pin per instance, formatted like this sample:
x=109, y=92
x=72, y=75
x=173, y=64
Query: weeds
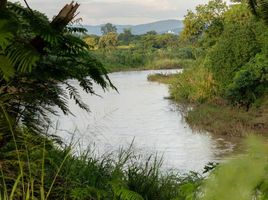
x=54, y=172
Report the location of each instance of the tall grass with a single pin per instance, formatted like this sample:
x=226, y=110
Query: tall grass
x=168, y=63
x=194, y=85
x=51, y=171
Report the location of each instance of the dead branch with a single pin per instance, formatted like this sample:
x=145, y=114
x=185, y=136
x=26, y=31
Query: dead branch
x=66, y=15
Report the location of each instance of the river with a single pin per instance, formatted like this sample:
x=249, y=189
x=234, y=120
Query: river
x=140, y=112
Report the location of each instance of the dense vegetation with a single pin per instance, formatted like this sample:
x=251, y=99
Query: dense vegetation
x=39, y=56
x=126, y=51
x=231, y=70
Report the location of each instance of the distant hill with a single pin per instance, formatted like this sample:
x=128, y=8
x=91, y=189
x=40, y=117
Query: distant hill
x=173, y=25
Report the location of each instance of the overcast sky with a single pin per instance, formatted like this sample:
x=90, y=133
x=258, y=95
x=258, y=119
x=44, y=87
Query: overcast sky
x=121, y=11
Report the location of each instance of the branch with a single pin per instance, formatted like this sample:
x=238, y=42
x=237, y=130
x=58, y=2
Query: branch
x=65, y=16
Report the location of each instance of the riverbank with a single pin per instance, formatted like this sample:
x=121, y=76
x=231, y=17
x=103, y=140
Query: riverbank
x=219, y=118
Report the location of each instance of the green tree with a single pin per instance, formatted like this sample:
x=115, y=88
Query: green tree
x=207, y=19
x=231, y=52
x=108, y=28
x=249, y=83
x=38, y=57
x=126, y=36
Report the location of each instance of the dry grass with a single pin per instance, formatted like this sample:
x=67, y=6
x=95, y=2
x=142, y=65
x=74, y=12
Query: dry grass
x=229, y=120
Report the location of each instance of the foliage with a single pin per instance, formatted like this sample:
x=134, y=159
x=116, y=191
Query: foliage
x=50, y=171
x=126, y=37
x=108, y=28
x=240, y=178
x=92, y=41
x=259, y=8
x=159, y=41
x=37, y=59
x=206, y=21
x=231, y=52
x=108, y=41
x=251, y=82
x=193, y=85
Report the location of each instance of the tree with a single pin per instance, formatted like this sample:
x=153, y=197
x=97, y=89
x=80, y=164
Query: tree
x=231, y=53
x=108, y=41
x=92, y=41
x=126, y=36
x=38, y=57
x=151, y=33
x=108, y=28
x=249, y=83
x=207, y=19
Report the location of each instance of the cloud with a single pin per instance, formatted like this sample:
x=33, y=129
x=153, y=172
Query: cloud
x=121, y=11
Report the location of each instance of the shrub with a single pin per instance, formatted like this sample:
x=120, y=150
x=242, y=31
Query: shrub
x=194, y=85
x=249, y=83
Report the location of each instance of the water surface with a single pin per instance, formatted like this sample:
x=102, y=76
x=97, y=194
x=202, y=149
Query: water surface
x=141, y=112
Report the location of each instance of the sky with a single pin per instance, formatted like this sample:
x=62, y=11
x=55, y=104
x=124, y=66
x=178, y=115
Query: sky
x=94, y=12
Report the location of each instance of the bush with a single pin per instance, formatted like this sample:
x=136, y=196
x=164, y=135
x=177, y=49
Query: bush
x=235, y=48
x=193, y=85
x=249, y=83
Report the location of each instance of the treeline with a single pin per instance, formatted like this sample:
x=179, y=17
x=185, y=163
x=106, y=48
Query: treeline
x=126, y=51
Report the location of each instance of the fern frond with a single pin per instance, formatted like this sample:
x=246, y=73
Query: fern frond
x=73, y=44
x=74, y=94
x=6, y=67
x=24, y=57
x=5, y=34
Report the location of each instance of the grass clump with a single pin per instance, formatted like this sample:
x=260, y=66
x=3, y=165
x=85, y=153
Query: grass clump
x=47, y=170
x=193, y=85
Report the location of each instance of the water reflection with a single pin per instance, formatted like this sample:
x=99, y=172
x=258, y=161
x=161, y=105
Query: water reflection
x=140, y=112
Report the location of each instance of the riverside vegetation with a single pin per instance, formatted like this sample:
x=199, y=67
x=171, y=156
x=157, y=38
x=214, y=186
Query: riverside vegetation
x=38, y=56
x=227, y=84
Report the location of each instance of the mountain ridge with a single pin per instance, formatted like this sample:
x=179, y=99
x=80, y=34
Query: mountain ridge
x=160, y=27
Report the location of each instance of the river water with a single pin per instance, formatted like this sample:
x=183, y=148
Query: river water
x=140, y=112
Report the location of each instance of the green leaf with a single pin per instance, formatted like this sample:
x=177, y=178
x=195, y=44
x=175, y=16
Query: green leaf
x=5, y=34
x=125, y=194
x=23, y=56
x=6, y=67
